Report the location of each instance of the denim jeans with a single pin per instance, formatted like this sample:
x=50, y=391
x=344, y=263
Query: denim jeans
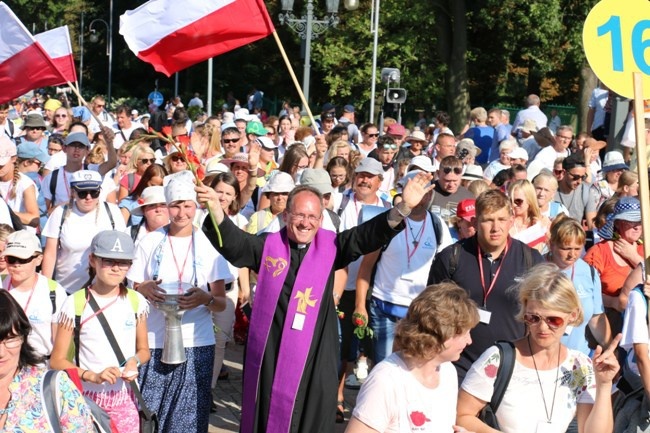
x=383, y=326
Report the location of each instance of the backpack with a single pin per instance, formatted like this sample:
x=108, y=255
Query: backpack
x=346, y=199
x=54, y=178
x=507, y=356
x=455, y=255
x=51, y=284
x=79, y=298
x=52, y=405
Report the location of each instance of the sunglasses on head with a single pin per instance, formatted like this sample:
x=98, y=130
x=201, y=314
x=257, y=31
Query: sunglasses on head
x=147, y=160
x=456, y=170
x=578, y=177
x=552, y=322
x=94, y=193
x=230, y=140
x=17, y=260
x=177, y=158
x=518, y=201
x=390, y=146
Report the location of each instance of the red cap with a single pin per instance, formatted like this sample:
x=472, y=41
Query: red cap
x=466, y=209
x=396, y=129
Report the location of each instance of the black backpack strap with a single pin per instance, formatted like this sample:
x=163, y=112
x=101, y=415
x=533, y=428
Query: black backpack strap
x=336, y=220
x=528, y=257
x=110, y=215
x=77, y=332
x=437, y=226
x=593, y=274
x=504, y=373
x=135, y=230
x=53, y=180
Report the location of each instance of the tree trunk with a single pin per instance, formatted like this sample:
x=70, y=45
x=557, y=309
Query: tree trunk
x=451, y=27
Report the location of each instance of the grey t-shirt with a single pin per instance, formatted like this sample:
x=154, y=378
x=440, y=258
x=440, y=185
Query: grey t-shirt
x=444, y=204
x=580, y=201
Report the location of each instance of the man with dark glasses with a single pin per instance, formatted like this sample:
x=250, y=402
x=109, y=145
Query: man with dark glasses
x=579, y=197
x=448, y=190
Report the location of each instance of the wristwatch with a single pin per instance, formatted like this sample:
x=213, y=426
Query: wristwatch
x=210, y=302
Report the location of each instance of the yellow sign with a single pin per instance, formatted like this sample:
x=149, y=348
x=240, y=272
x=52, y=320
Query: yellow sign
x=616, y=38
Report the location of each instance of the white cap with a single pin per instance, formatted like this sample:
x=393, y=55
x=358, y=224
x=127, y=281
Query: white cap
x=422, y=162
x=279, y=182
x=519, y=153
x=180, y=187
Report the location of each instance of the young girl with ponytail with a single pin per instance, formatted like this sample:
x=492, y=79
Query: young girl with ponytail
x=106, y=379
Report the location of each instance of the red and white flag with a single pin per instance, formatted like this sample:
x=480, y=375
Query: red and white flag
x=173, y=35
x=56, y=43
x=24, y=65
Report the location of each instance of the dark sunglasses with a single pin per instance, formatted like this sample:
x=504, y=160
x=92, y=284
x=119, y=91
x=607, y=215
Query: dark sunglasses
x=147, y=160
x=553, y=322
x=17, y=260
x=230, y=140
x=39, y=128
x=578, y=177
x=456, y=170
x=83, y=194
x=518, y=201
x=558, y=172
x=390, y=146
x=77, y=145
x=60, y=115
x=177, y=158
x=373, y=135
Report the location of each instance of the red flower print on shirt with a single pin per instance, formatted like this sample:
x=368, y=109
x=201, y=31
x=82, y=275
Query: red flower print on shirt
x=491, y=371
x=418, y=418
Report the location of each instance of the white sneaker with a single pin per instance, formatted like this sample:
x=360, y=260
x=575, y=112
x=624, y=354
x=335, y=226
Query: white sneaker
x=362, y=370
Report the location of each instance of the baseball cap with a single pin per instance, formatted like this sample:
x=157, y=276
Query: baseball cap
x=22, y=244
x=466, y=209
x=317, y=178
x=266, y=142
x=256, y=128
x=348, y=108
x=370, y=165
x=29, y=150
x=328, y=106
x=396, y=129
x=112, y=244
x=150, y=195
x=77, y=137
x=421, y=162
x=519, y=153
x=7, y=149
x=83, y=180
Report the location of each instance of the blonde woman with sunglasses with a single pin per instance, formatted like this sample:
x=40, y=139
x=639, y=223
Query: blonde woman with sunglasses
x=550, y=384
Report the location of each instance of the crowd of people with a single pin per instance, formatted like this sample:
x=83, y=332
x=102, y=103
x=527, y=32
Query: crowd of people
x=370, y=256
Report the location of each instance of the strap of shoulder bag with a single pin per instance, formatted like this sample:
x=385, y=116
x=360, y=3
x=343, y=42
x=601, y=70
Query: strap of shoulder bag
x=118, y=352
x=48, y=389
x=504, y=373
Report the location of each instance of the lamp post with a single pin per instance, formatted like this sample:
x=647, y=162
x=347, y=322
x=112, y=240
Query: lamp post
x=309, y=28
x=374, y=29
x=109, y=48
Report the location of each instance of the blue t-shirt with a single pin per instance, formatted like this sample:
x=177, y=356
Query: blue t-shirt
x=129, y=203
x=482, y=136
x=591, y=299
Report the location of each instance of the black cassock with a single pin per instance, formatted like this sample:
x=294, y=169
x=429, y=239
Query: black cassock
x=315, y=408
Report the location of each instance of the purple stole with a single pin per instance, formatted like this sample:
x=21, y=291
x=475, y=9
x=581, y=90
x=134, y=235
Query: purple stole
x=299, y=324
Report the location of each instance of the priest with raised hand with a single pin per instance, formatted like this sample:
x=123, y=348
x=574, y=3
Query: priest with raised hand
x=290, y=367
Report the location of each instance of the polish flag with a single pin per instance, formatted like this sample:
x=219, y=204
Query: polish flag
x=173, y=35
x=24, y=64
x=56, y=43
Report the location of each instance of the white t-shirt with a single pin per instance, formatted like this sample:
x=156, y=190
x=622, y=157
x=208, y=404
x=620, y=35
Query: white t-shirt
x=635, y=327
x=95, y=351
x=210, y=266
x=17, y=203
x=62, y=191
x=522, y=407
x=57, y=160
x=392, y=400
x=74, y=240
x=38, y=308
x=548, y=155
x=120, y=139
x=399, y=279
x=349, y=219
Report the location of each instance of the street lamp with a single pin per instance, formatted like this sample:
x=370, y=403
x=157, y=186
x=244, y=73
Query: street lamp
x=94, y=37
x=309, y=28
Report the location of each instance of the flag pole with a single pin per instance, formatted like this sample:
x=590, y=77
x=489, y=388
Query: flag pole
x=295, y=80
